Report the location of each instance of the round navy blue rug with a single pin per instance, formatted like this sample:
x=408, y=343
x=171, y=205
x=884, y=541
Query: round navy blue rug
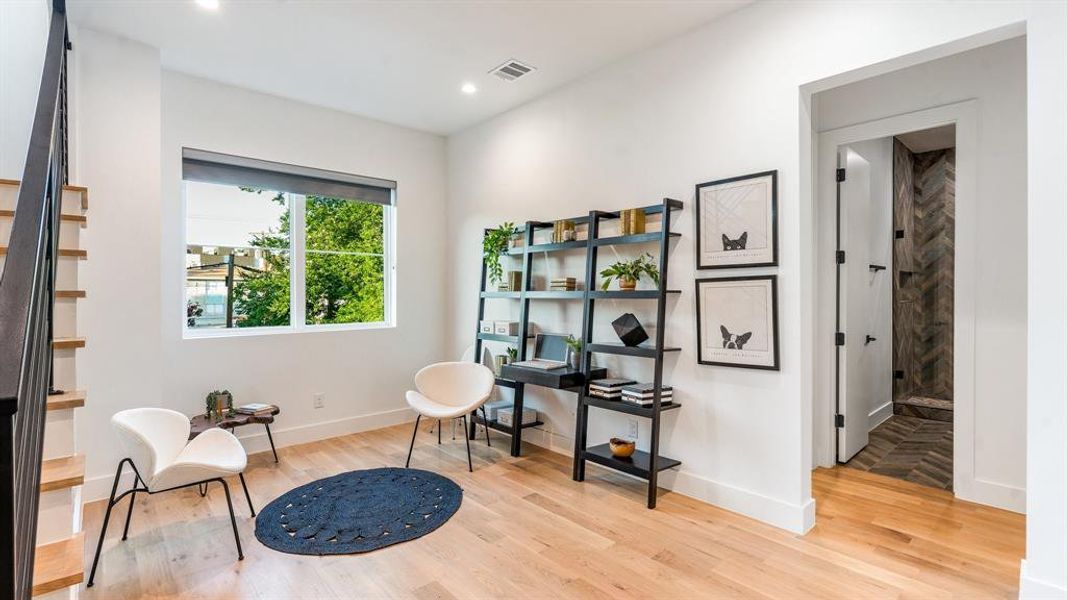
x=358, y=511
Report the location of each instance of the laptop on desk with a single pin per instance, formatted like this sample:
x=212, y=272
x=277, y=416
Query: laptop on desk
x=550, y=353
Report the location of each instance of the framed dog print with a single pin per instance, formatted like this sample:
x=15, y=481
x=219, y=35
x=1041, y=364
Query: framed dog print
x=737, y=222
x=737, y=322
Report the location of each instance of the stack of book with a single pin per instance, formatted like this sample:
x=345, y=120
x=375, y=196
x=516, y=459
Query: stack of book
x=610, y=389
x=642, y=394
x=563, y=284
x=256, y=409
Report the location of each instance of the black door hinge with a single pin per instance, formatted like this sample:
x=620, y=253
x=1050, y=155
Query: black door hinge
x=839, y=420
x=898, y=234
x=839, y=338
x=840, y=175
x=898, y=374
x=840, y=257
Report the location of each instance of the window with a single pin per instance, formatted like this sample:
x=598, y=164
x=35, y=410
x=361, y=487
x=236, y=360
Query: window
x=273, y=247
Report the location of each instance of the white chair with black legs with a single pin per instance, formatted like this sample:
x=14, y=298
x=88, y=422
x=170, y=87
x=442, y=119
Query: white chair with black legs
x=156, y=441
x=449, y=390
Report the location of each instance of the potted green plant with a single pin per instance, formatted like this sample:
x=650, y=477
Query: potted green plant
x=494, y=245
x=629, y=272
x=574, y=356
x=219, y=404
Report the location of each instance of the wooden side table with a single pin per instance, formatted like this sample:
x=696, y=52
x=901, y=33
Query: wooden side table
x=201, y=423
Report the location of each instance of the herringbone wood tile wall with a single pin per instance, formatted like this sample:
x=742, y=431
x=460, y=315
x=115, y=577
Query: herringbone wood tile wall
x=924, y=260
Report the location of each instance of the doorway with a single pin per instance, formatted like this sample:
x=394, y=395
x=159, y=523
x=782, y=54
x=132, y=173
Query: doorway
x=982, y=92
x=895, y=287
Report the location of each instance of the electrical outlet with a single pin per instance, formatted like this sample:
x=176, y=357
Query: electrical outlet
x=632, y=433
x=319, y=400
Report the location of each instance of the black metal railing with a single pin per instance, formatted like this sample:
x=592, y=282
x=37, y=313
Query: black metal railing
x=27, y=289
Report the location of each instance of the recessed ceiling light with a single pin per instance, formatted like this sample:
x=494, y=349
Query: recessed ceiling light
x=469, y=88
x=208, y=4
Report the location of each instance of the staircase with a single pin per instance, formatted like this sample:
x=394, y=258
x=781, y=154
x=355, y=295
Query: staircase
x=41, y=475
x=59, y=540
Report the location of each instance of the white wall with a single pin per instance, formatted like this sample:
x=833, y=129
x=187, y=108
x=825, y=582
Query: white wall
x=995, y=75
x=116, y=154
x=1044, y=572
x=720, y=101
x=23, y=35
x=363, y=373
x=136, y=120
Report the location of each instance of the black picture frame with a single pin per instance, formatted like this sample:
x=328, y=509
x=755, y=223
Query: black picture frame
x=773, y=234
x=774, y=338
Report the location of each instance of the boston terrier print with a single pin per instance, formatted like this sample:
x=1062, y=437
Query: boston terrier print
x=732, y=341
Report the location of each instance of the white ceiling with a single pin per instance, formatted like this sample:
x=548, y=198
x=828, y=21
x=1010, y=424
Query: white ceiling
x=401, y=61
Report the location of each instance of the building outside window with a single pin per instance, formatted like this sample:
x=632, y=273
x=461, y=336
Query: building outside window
x=274, y=248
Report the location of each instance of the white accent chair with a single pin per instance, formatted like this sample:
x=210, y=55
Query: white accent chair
x=163, y=458
x=449, y=390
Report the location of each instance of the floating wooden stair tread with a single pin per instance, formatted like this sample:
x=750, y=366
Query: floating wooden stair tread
x=62, y=472
x=72, y=399
x=82, y=219
x=70, y=293
x=63, y=252
x=58, y=565
x=84, y=191
x=74, y=342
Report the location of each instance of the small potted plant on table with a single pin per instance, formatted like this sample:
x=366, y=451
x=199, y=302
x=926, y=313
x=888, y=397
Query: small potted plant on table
x=574, y=354
x=219, y=405
x=628, y=272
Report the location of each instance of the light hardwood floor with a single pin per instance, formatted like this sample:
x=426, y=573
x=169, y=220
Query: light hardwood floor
x=526, y=530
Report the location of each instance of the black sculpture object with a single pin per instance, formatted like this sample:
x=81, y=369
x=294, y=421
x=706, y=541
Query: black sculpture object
x=629, y=330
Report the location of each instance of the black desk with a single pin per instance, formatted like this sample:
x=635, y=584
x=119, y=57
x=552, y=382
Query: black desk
x=517, y=377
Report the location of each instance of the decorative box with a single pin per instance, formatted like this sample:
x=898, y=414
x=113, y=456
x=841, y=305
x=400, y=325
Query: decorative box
x=506, y=328
x=633, y=221
x=492, y=409
x=485, y=327
x=505, y=415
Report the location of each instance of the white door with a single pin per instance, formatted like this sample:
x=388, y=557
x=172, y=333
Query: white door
x=857, y=297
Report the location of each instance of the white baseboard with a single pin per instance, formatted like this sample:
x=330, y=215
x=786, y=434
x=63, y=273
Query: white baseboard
x=990, y=493
x=1034, y=589
x=794, y=518
x=879, y=415
x=797, y=518
x=544, y=438
x=98, y=488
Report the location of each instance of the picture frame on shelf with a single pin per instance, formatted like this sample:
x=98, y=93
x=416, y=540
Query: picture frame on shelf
x=737, y=322
x=737, y=222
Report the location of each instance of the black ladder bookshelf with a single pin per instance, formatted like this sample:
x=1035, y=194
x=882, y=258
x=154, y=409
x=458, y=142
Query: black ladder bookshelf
x=524, y=296
x=645, y=465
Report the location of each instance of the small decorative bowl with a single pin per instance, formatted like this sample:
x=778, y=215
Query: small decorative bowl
x=621, y=448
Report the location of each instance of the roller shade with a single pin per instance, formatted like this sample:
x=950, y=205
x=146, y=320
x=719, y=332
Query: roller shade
x=213, y=167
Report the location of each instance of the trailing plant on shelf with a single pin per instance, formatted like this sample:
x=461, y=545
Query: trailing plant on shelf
x=629, y=272
x=494, y=245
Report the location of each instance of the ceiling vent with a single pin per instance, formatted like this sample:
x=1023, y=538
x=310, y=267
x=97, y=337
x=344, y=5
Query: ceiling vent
x=512, y=70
